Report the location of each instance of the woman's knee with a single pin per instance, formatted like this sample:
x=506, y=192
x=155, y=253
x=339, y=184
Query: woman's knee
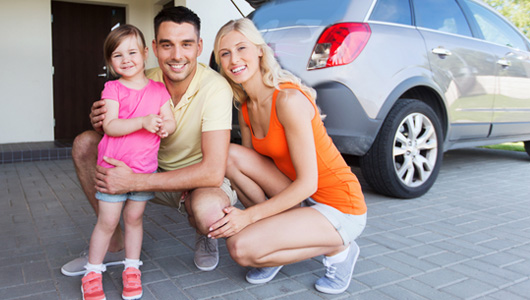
x=234, y=156
x=241, y=251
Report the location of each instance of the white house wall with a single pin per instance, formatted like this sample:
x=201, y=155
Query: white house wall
x=26, y=82
x=25, y=76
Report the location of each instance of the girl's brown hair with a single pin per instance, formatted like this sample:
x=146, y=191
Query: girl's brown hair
x=114, y=39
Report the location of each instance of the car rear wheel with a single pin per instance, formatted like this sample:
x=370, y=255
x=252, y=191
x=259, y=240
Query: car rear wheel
x=406, y=155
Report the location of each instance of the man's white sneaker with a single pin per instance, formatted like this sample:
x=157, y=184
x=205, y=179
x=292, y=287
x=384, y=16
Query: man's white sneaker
x=76, y=267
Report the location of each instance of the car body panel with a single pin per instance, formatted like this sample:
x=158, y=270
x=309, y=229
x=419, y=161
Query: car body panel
x=478, y=101
x=467, y=79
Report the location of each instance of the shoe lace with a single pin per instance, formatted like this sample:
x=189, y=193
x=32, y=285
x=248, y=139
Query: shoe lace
x=92, y=283
x=330, y=269
x=132, y=278
x=205, y=244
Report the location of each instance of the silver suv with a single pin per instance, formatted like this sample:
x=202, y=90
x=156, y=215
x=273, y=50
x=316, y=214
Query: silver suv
x=401, y=81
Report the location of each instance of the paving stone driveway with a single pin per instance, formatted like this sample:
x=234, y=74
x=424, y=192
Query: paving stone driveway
x=468, y=238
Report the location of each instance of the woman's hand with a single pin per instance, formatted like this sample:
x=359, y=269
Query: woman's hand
x=233, y=222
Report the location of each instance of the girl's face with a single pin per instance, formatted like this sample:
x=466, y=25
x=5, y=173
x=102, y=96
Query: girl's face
x=127, y=59
x=239, y=57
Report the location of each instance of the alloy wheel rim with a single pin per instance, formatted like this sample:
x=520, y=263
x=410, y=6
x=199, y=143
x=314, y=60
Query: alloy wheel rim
x=415, y=150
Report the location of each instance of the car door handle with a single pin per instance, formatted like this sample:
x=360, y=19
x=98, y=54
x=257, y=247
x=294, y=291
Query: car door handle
x=102, y=75
x=504, y=62
x=441, y=51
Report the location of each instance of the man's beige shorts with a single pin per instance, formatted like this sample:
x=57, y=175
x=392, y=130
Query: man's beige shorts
x=176, y=199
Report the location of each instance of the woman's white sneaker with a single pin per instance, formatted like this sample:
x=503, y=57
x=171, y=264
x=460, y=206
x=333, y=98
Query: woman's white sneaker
x=338, y=275
x=262, y=275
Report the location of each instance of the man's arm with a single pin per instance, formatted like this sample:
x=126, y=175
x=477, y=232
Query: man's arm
x=207, y=173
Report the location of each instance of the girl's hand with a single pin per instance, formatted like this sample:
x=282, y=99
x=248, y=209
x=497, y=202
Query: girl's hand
x=162, y=132
x=233, y=222
x=152, y=123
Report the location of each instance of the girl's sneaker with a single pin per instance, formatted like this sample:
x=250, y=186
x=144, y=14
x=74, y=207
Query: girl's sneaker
x=338, y=276
x=132, y=284
x=92, y=287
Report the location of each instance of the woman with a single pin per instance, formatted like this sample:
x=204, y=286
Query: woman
x=301, y=198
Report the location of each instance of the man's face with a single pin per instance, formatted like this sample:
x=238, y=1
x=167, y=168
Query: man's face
x=177, y=47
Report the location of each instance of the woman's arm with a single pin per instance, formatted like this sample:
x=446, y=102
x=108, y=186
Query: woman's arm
x=295, y=113
x=246, y=137
x=114, y=126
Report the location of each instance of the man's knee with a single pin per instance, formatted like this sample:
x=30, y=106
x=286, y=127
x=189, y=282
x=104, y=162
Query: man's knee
x=207, y=207
x=85, y=146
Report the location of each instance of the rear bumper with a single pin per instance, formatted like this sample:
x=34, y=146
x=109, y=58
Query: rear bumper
x=352, y=131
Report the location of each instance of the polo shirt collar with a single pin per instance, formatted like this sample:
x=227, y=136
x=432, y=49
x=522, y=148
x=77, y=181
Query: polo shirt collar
x=193, y=88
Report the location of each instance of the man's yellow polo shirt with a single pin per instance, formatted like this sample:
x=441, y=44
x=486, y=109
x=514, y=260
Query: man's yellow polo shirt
x=206, y=106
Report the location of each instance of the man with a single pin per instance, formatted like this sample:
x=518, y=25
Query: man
x=192, y=161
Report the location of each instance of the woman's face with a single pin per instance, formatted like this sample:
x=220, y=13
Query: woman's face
x=239, y=57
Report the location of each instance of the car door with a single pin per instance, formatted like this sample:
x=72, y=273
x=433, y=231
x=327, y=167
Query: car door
x=462, y=67
x=511, y=114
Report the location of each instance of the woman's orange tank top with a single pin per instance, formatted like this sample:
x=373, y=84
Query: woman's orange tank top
x=337, y=185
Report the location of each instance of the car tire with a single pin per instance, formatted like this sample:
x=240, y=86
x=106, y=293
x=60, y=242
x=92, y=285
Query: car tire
x=403, y=163
x=527, y=147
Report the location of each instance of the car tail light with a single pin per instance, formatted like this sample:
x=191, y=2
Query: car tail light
x=339, y=44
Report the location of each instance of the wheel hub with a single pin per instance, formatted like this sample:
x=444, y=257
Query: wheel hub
x=415, y=150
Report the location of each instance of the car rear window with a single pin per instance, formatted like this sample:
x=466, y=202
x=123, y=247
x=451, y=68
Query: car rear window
x=392, y=11
x=297, y=12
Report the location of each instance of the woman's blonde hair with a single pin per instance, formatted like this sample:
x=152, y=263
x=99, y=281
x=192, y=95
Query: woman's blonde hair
x=272, y=73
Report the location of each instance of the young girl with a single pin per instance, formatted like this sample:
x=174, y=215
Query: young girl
x=301, y=198
x=138, y=115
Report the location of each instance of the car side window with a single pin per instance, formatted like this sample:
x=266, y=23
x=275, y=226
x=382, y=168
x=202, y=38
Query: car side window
x=441, y=15
x=495, y=29
x=393, y=11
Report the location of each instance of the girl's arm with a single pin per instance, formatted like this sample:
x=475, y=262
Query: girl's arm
x=168, y=124
x=114, y=126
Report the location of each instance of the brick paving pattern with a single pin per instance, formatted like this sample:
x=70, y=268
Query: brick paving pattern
x=468, y=238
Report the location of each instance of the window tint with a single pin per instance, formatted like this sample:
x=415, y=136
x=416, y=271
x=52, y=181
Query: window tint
x=393, y=11
x=494, y=29
x=442, y=15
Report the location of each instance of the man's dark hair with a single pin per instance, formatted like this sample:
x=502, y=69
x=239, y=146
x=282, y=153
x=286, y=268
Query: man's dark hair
x=179, y=15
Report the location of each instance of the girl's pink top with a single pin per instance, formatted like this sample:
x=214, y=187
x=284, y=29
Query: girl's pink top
x=139, y=150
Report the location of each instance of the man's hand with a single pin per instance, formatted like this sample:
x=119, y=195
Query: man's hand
x=115, y=180
x=97, y=114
